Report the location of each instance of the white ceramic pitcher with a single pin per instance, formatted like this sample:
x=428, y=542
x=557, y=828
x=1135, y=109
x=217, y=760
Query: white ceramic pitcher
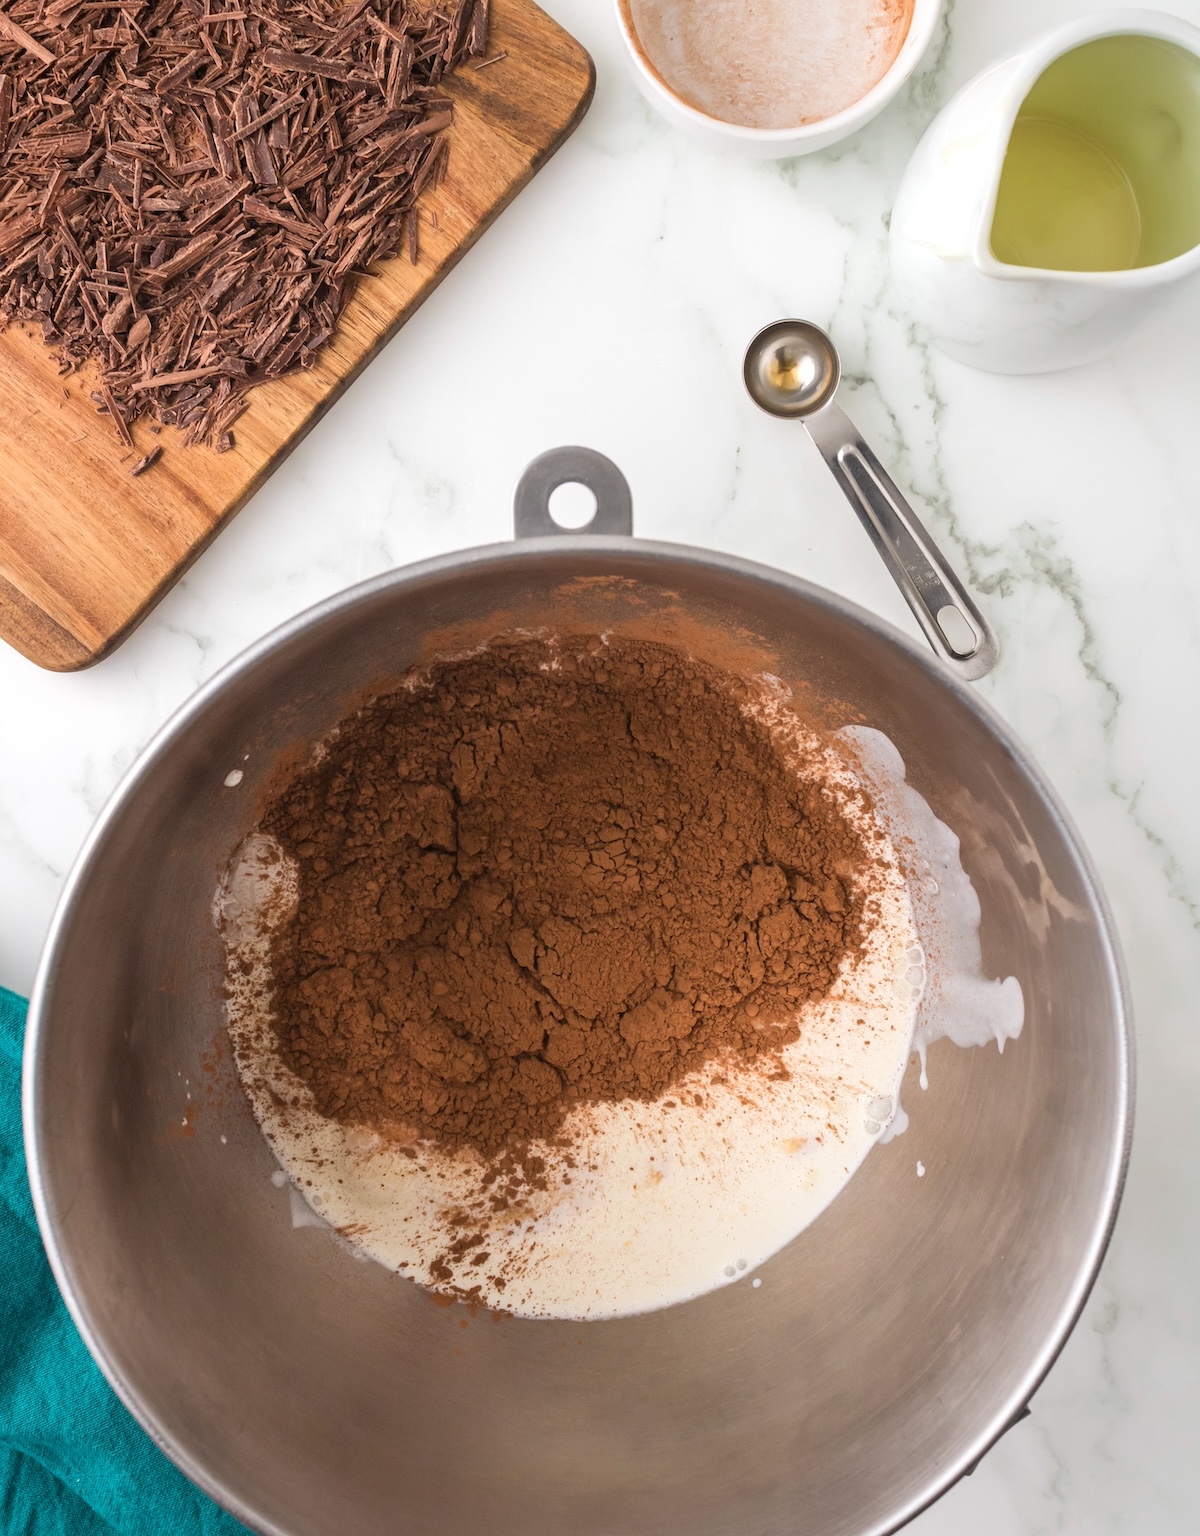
x=1012, y=318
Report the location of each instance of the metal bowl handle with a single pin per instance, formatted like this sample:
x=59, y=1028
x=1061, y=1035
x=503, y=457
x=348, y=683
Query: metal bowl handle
x=572, y=466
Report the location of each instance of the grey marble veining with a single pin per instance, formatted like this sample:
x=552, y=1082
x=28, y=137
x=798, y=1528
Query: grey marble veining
x=609, y=306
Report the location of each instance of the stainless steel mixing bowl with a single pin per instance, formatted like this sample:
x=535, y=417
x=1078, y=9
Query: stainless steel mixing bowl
x=887, y=1347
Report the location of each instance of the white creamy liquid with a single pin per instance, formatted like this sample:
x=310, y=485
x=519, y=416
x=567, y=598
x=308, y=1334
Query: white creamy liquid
x=657, y=1202
x=959, y=1003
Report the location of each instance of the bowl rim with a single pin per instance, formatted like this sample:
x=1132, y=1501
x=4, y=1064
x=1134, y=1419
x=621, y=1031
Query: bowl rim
x=456, y=564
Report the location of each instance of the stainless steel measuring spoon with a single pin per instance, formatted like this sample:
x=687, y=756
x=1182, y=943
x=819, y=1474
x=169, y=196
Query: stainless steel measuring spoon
x=792, y=369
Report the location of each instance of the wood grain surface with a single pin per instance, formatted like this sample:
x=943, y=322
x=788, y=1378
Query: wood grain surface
x=87, y=549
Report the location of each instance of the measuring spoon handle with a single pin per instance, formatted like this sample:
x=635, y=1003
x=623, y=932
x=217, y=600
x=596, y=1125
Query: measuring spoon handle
x=947, y=614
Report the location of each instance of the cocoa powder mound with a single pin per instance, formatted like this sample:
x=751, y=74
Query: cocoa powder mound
x=547, y=874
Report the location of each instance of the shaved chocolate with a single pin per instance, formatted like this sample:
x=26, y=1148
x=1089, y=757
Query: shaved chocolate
x=188, y=195
x=18, y=35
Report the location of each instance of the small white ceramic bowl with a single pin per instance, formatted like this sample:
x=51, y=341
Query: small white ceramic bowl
x=778, y=143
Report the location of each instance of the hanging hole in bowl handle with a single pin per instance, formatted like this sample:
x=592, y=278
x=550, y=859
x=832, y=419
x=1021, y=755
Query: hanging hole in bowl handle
x=572, y=505
x=532, y=518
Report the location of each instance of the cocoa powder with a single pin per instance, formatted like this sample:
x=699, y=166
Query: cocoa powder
x=550, y=874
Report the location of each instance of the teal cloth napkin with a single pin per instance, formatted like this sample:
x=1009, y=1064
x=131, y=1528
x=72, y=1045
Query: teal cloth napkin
x=73, y=1462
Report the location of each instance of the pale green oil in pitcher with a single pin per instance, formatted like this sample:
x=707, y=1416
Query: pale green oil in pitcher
x=1102, y=171
x=1054, y=204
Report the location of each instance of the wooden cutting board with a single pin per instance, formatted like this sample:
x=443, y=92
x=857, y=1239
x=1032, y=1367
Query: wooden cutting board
x=86, y=549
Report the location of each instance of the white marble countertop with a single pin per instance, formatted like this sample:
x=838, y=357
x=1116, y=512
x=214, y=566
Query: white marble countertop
x=610, y=306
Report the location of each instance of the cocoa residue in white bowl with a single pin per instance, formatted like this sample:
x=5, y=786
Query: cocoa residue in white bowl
x=769, y=64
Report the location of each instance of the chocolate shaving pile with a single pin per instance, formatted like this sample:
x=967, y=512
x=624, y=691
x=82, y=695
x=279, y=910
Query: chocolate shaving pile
x=188, y=193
